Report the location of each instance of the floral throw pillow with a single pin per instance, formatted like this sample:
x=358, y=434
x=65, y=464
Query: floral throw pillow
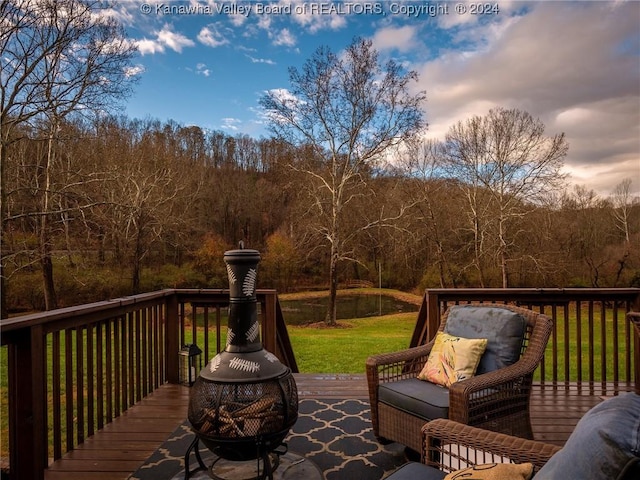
x=452, y=359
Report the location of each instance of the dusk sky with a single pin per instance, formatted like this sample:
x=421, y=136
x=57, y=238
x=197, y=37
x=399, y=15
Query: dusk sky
x=573, y=65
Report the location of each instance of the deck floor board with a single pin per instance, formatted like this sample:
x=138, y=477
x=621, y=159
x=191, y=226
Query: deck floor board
x=117, y=451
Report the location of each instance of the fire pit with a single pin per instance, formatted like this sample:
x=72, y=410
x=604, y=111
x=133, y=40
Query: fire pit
x=244, y=402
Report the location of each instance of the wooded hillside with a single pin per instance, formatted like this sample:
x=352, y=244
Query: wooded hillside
x=140, y=205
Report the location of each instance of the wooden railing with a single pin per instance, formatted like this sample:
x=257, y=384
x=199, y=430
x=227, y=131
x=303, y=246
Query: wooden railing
x=72, y=371
x=592, y=342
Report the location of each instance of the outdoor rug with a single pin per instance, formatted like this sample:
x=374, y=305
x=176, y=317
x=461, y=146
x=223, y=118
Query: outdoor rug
x=335, y=435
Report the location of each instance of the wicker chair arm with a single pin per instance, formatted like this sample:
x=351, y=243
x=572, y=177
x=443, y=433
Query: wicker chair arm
x=449, y=445
x=493, y=380
x=388, y=367
x=400, y=356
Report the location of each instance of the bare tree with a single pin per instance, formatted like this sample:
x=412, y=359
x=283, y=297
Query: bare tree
x=422, y=164
x=56, y=58
x=503, y=161
x=351, y=111
x=623, y=202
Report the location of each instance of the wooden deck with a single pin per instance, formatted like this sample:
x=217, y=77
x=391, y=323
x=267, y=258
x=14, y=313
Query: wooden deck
x=122, y=446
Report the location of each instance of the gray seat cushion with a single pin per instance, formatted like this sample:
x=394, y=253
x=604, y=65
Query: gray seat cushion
x=416, y=471
x=503, y=329
x=417, y=397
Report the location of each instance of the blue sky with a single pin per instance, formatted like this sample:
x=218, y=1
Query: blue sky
x=573, y=65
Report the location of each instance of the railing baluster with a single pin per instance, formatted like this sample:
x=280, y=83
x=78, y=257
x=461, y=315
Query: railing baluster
x=100, y=375
x=56, y=378
x=108, y=339
x=205, y=326
x=124, y=364
x=603, y=345
x=155, y=326
x=592, y=366
x=182, y=321
x=578, y=310
x=554, y=344
x=218, y=330
x=137, y=354
x=615, y=346
x=90, y=381
x=628, y=343
x=79, y=385
x=131, y=382
x=117, y=368
x=68, y=387
x=565, y=335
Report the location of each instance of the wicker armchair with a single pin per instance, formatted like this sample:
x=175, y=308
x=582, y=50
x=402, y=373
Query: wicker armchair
x=496, y=401
x=450, y=446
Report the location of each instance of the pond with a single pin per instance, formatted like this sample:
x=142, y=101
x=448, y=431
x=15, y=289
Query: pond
x=312, y=310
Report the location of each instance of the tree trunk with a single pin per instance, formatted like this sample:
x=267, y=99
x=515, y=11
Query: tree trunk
x=332, y=311
x=137, y=260
x=4, y=214
x=50, y=297
x=503, y=266
x=46, y=263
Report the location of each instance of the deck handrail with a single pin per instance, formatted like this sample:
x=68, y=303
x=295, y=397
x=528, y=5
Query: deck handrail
x=118, y=351
x=73, y=370
x=580, y=315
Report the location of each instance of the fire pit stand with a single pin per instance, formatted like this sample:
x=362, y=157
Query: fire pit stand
x=245, y=401
x=195, y=448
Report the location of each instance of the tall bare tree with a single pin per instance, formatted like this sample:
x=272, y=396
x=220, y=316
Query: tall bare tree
x=623, y=202
x=422, y=164
x=351, y=111
x=57, y=57
x=504, y=161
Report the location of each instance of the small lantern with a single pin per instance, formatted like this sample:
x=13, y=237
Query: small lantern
x=190, y=363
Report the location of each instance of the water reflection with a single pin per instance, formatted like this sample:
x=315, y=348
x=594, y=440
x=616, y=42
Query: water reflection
x=312, y=310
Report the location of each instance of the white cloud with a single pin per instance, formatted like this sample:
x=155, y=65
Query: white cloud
x=175, y=41
x=312, y=20
x=231, y=124
x=146, y=46
x=260, y=60
x=201, y=69
x=283, y=38
x=402, y=39
x=120, y=13
x=283, y=95
x=134, y=71
x=164, y=38
x=573, y=65
x=212, y=37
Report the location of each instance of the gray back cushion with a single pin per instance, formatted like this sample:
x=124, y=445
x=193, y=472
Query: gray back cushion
x=503, y=329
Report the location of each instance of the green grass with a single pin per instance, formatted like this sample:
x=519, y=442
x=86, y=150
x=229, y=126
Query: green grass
x=345, y=349
x=341, y=349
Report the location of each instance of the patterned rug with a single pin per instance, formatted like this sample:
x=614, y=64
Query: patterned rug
x=333, y=434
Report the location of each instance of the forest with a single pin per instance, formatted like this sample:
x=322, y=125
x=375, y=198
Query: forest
x=348, y=187
x=135, y=206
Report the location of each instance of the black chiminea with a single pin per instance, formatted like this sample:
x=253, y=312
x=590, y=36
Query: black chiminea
x=245, y=401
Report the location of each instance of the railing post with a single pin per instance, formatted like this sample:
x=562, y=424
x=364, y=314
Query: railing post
x=27, y=405
x=172, y=338
x=433, y=314
x=428, y=319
